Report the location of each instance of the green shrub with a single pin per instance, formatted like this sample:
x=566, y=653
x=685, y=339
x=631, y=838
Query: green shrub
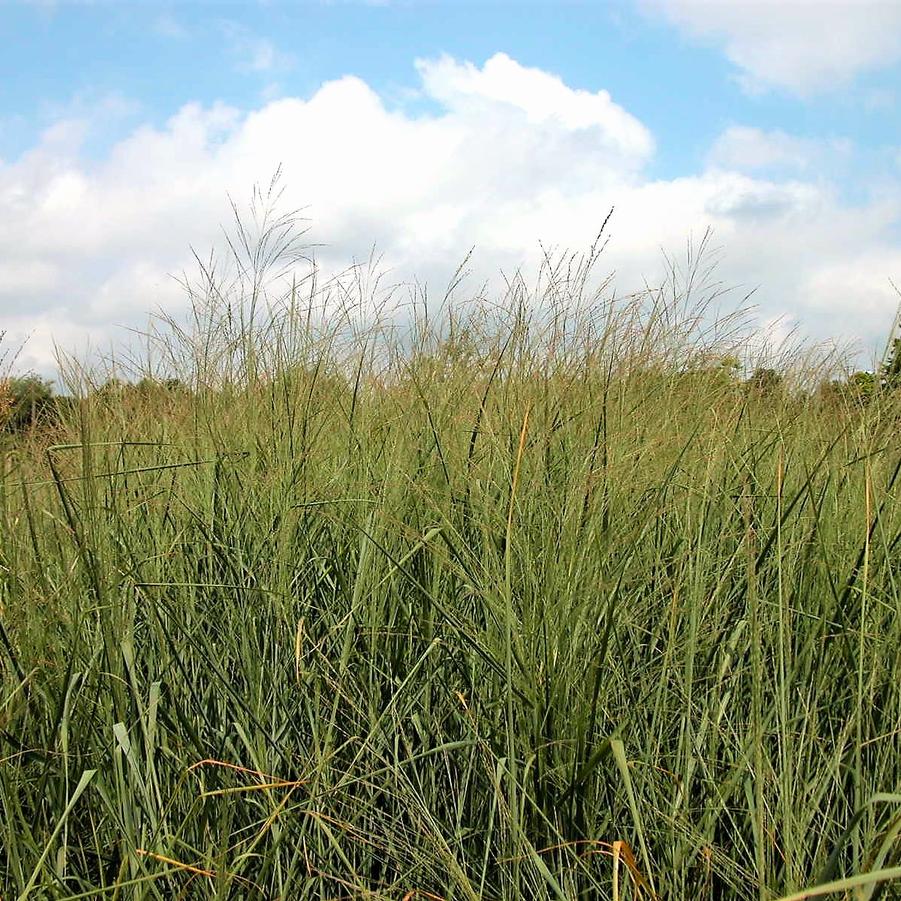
x=28, y=401
x=765, y=381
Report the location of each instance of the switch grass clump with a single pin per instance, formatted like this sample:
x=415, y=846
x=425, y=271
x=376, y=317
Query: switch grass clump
x=532, y=598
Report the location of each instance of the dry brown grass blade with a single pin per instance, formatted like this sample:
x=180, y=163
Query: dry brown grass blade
x=187, y=867
x=273, y=781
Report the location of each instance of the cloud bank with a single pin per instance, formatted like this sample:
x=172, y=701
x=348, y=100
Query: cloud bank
x=805, y=46
x=506, y=157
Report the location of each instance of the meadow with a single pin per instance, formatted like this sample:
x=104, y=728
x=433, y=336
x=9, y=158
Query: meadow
x=538, y=597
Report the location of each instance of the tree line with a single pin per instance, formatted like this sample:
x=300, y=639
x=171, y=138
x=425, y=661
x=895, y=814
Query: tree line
x=28, y=402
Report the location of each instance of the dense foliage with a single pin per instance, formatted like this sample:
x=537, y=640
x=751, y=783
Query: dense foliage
x=26, y=401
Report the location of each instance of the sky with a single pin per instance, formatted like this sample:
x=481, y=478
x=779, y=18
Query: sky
x=429, y=129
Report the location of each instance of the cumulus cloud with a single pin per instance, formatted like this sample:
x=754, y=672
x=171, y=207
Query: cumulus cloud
x=804, y=46
x=543, y=99
x=167, y=26
x=253, y=53
x=508, y=156
x=746, y=148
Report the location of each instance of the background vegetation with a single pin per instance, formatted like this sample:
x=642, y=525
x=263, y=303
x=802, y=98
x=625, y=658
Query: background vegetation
x=542, y=599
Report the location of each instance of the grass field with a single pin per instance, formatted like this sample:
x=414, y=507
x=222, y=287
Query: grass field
x=504, y=605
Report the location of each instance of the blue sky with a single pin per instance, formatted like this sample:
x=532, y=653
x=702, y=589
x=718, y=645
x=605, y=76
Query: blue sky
x=157, y=57
x=779, y=125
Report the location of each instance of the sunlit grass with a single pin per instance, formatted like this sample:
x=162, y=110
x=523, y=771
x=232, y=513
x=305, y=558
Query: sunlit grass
x=534, y=601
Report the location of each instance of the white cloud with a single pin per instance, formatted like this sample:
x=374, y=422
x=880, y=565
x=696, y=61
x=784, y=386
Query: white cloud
x=745, y=148
x=253, y=53
x=27, y=278
x=503, y=84
x=805, y=46
x=511, y=156
x=167, y=26
x=776, y=153
x=879, y=100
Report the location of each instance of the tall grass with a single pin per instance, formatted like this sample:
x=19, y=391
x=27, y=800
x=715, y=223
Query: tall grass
x=526, y=600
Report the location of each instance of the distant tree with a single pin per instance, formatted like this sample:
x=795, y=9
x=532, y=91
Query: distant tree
x=26, y=400
x=764, y=381
x=858, y=389
x=112, y=387
x=861, y=387
x=150, y=385
x=830, y=391
x=6, y=401
x=711, y=372
x=891, y=372
x=730, y=365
